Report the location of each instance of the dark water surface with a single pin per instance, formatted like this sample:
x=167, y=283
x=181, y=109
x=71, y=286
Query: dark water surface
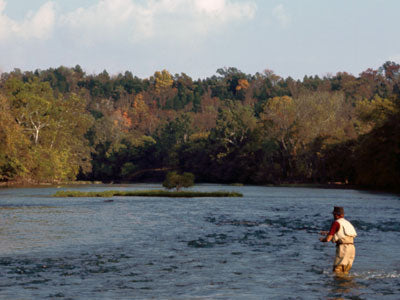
x=262, y=246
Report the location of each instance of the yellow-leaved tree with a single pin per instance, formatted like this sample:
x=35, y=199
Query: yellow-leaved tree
x=164, y=91
x=373, y=113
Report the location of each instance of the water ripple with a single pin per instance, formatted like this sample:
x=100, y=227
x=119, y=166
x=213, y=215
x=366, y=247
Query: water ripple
x=262, y=246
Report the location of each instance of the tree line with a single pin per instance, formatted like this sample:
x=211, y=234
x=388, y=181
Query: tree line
x=63, y=124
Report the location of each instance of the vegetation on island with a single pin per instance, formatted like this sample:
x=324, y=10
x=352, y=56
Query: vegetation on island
x=62, y=124
x=173, y=180
x=148, y=193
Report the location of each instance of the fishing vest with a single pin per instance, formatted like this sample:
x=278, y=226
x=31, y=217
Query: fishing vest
x=346, y=232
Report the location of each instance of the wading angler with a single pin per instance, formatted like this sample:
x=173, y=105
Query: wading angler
x=342, y=233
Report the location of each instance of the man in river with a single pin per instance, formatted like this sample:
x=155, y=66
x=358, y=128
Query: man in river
x=342, y=233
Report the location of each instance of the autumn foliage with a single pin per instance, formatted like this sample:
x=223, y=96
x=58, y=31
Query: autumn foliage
x=63, y=124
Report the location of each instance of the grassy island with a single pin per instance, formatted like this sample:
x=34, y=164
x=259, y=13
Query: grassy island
x=147, y=193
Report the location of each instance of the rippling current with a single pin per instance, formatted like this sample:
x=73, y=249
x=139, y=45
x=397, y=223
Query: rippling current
x=261, y=246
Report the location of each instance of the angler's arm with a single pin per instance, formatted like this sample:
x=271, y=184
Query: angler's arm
x=329, y=234
x=328, y=238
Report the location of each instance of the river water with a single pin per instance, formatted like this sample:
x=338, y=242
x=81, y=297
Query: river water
x=261, y=246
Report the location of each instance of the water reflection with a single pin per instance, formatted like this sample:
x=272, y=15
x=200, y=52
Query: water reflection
x=31, y=227
x=342, y=286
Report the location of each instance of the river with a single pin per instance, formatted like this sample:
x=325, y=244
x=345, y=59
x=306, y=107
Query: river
x=261, y=246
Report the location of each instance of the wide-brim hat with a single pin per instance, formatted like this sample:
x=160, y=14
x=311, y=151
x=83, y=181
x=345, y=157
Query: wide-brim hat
x=338, y=210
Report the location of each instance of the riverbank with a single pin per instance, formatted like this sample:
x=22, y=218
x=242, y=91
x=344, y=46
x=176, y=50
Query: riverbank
x=341, y=186
x=31, y=184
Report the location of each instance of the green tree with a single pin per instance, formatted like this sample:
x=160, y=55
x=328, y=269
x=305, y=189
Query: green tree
x=32, y=104
x=233, y=142
x=377, y=155
x=234, y=124
x=56, y=128
x=68, y=135
x=172, y=136
x=14, y=155
x=279, y=121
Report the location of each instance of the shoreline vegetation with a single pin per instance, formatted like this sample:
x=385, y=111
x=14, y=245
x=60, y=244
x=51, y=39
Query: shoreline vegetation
x=62, y=124
x=148, y=193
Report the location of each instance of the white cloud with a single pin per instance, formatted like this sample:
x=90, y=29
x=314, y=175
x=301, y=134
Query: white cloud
x=5, y=23
x=225, y=10
x=37, y=25
x=132, y=20
x=40, y=24
x=107, y=18
x=210, y=6
x=119, y=33
x=281, y=15
x=138, y=20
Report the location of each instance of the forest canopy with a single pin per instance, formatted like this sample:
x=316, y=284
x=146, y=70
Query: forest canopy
x=62, y=124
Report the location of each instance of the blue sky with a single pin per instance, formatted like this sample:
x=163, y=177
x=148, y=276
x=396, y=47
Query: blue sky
x=291, y=37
